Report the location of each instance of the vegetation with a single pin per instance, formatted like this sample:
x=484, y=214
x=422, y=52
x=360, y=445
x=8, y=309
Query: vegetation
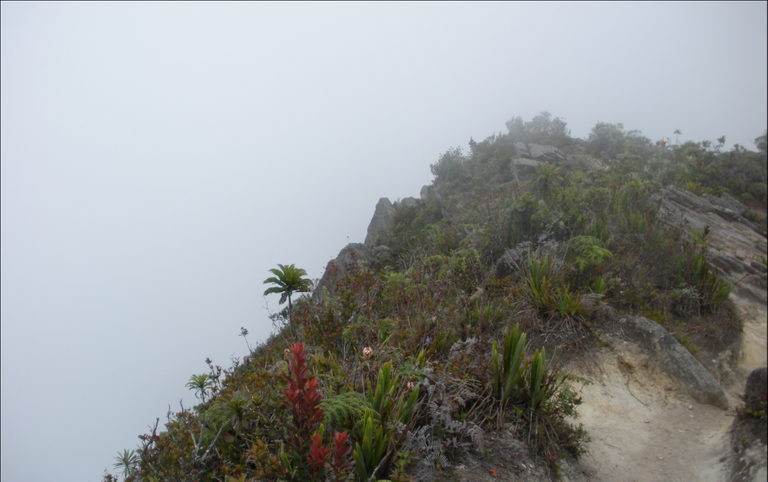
x=430, y=350
x=289, y=280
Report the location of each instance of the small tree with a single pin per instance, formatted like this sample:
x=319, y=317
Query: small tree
x=128, y=461
x=289, y=280
x=762, y=142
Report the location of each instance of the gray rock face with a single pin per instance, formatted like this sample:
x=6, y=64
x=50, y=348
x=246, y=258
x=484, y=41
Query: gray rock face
x=382, y=221
x=734, y=240
x=727, y=208
x=756, y=389
x=540, y=153
x=405, y=203
x=525, y=166
x=748, y=458
x=352, y=254
x=428, y=192
x=384, y=215
x=674, y=359
x=727, y=201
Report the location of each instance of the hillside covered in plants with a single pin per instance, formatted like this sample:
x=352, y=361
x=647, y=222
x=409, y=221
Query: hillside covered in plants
x=453, y=327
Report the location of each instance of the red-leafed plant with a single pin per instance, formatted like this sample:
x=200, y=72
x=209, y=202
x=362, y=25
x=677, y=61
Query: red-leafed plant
x=340, y=463
x=306, y=456
x=303, y=400
x=318, y=453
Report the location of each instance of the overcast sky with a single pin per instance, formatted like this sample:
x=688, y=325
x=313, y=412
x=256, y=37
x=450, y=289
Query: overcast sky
x=159, y=158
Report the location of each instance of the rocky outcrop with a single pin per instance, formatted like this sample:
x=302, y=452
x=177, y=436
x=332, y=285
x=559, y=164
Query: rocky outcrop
x=726, y=201
x=384, y=215
x=736, y=246
x=382, y=221
x=428, y=192
x=405, y=203
x=352, y=254
x=540, y=153
x=727, y=208
x=530, y=156
x=671, y=357
x=735, y=242
x=756, y=391
x=748, y=459
x=523, y=167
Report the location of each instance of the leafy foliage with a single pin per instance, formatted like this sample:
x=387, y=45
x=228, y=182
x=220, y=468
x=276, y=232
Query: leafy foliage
x=289, y=280
x=542, y=129
x=303, y=401
x=369, y=455
x=415, y=357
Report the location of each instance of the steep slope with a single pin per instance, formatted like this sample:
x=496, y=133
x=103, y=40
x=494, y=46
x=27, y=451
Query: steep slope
x=642, y=427
x=428, y=349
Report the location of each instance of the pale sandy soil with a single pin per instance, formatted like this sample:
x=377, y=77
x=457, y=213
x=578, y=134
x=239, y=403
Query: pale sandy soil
x=643, y=429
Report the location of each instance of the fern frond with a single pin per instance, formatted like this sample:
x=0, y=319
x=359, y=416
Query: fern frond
x=342, y=411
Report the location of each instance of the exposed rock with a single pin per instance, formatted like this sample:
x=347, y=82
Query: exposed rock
x=530, y=156
x=749, y=465
x=726, y=201
x=428, y=192
x=526, y=166
x=734, y=241
x=540, y=153
x=756, y=391
x=382, y=221
x=748, y=459
x=759, y=266
x=384, y=215
x=674, y=359
x=405, y=203
x=353, y=253
x=726, y=208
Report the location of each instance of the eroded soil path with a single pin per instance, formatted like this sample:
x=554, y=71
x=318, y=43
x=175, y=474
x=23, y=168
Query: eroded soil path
x=642, y=428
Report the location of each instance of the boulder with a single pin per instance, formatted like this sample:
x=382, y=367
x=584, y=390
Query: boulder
x=382, y=221
x=352, y=254
x=671, y=357
x=756, y=391
x=747, y=460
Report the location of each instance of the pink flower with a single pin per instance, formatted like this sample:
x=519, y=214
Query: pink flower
x=367, y=351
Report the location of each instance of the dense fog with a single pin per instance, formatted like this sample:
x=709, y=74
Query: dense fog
x=159, y=158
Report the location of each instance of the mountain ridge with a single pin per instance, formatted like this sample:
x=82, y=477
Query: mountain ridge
x=564, y=240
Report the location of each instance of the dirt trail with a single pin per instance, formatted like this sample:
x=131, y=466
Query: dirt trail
x=642, y=428
x=755, y=332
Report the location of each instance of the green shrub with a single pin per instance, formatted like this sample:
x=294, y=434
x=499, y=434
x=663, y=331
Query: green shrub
x=369, y=454
x=540, y=281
